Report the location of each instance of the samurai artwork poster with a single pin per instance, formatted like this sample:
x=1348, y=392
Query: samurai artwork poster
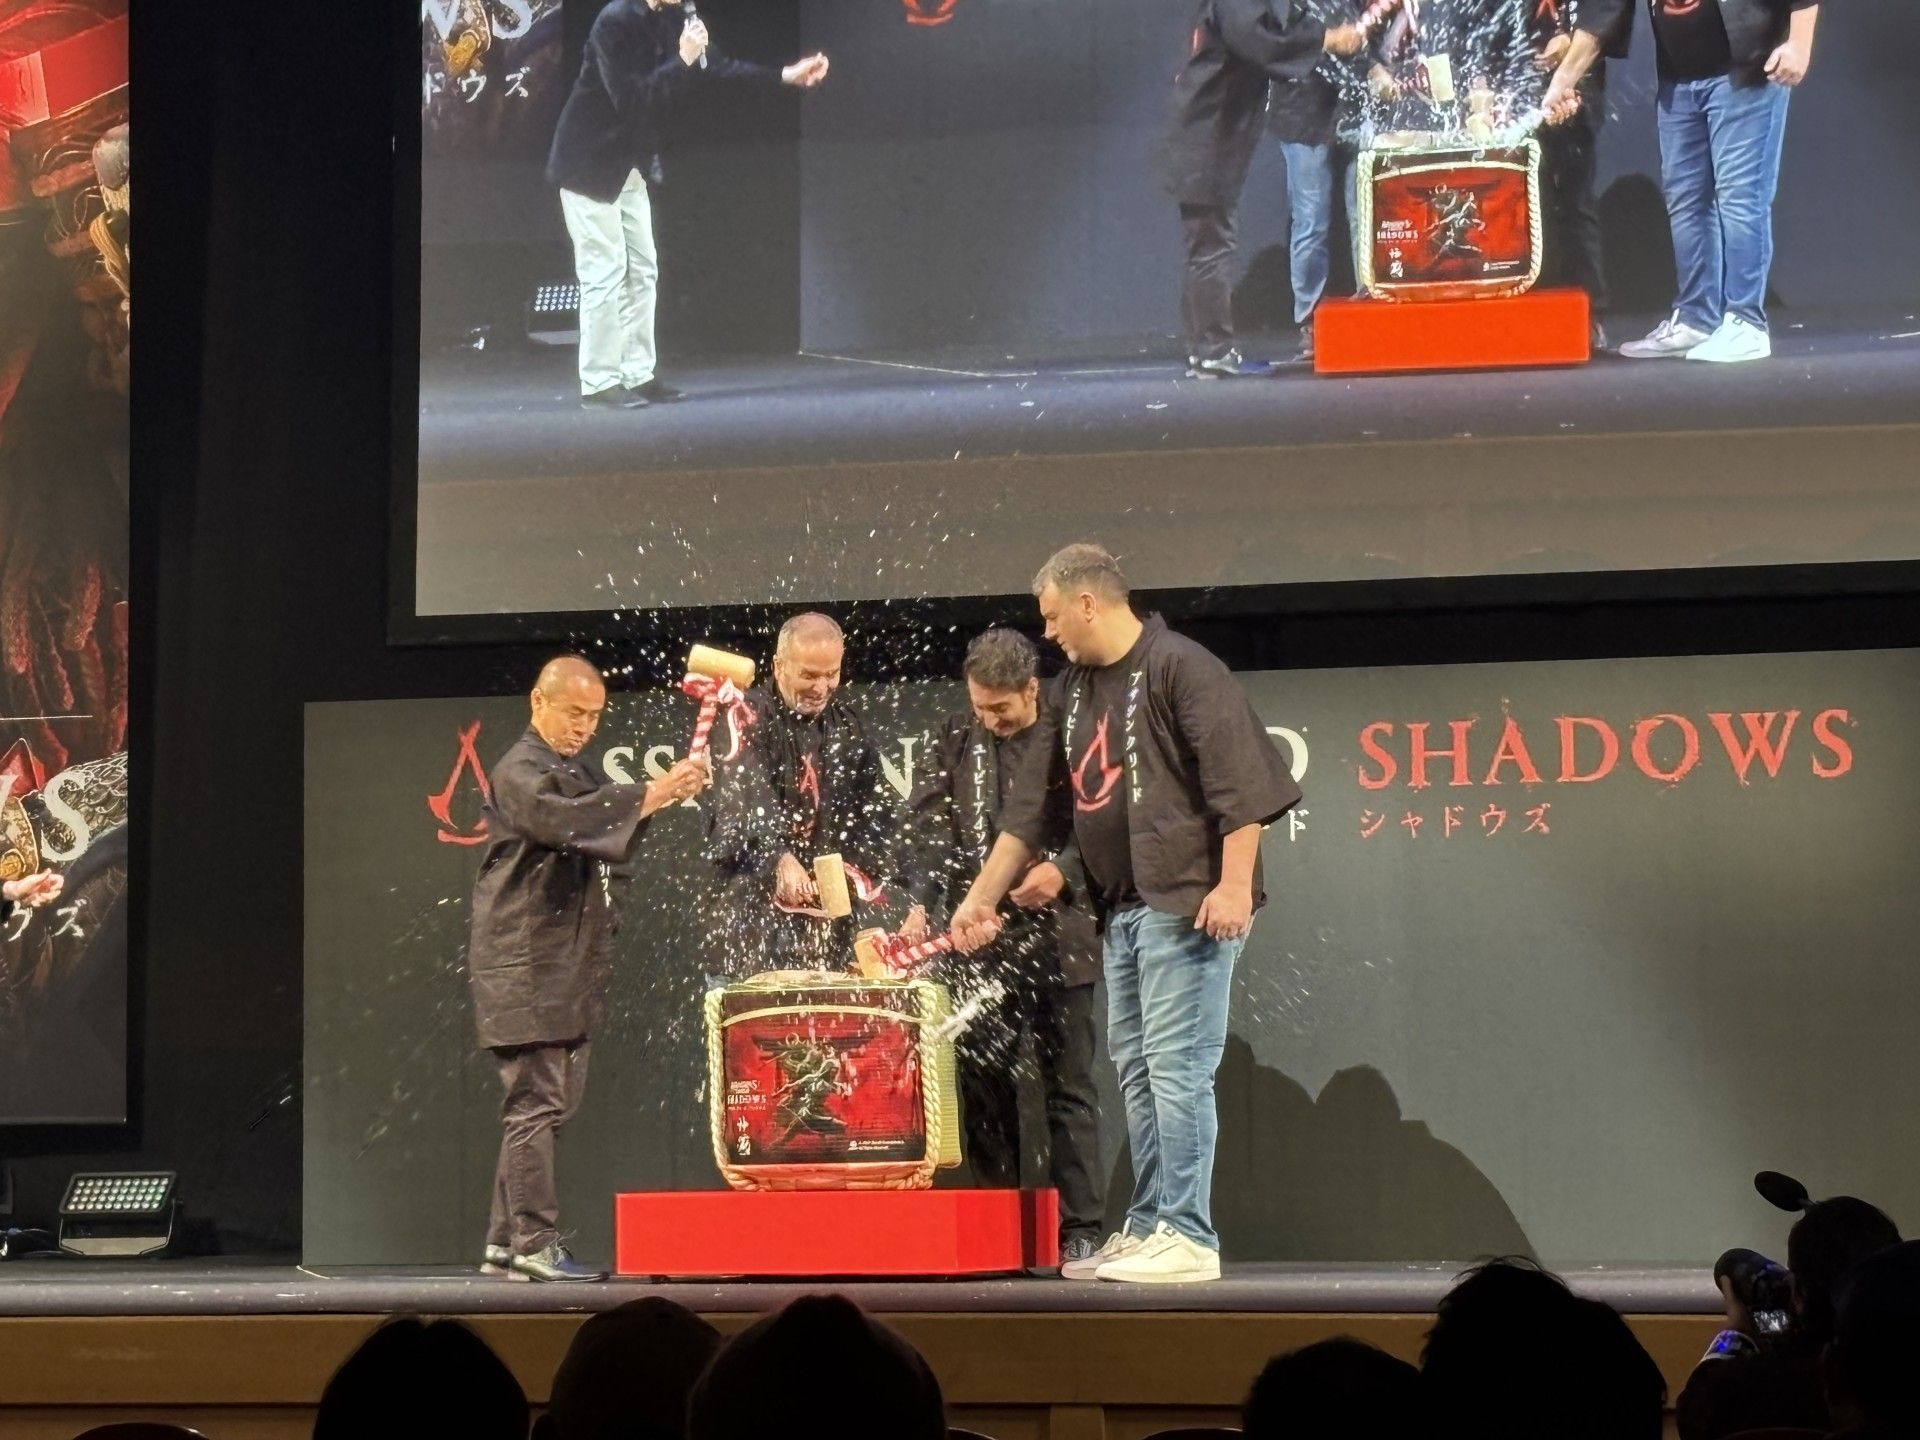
x=65, y=266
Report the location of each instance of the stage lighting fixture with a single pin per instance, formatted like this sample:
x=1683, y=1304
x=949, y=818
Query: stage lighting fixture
x=121, y=1214
x=553, y=314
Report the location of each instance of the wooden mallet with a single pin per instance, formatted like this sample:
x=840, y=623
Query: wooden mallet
x=830, y=882
x=716, y=678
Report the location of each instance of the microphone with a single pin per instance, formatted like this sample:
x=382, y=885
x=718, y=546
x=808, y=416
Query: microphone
x=693, y=13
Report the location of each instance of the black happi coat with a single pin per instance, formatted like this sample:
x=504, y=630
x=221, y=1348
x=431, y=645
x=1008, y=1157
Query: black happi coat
x=766, y=802
x=1220, y=94
x=956, y=807
x=1199, y=766
x=540, y=952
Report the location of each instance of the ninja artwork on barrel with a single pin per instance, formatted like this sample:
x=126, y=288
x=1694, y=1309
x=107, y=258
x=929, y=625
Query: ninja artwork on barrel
x=823, y=1081
x=1444, y=221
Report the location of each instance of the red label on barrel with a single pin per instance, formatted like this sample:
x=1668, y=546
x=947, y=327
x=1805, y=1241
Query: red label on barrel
x=1457, y=218
x=824, y=1078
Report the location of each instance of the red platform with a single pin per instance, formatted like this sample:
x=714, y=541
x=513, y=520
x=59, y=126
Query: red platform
x=835, y=1232
x=1377, y=337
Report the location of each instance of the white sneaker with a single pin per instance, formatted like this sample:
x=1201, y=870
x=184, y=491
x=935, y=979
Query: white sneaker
x=1166, y=1258
x=1735, y=340
x=1668, y=340
x=1119, y=1244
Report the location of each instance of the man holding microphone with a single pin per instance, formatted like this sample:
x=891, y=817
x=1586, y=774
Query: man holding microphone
x=606, y=161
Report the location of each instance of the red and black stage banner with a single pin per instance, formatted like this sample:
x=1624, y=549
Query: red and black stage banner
x=65, y=267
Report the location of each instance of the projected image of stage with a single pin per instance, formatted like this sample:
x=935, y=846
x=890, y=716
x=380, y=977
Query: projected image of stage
x=1614, y=465
x=939, y=286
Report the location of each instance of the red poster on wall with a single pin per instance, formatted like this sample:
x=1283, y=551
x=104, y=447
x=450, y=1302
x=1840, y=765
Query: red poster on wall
x=65, y=269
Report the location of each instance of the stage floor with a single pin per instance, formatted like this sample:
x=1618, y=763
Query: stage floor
x=511, y=412
x=887, y=477
x=70, y=1287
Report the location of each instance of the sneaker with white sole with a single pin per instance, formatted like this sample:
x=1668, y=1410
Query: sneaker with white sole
x=1671, y=339
x=1734, y=341
x=1083, y=1267
x=1167, y=1258
x=1229, y=366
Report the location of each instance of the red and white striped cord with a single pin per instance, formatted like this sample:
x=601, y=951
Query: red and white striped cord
x=905, y=956
x=714, y=695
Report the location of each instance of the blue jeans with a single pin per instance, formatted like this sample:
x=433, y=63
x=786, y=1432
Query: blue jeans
x=1167, y=991
x=1719, y=167
x=1310, y=179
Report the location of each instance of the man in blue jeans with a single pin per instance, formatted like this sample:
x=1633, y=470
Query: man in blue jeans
x=1303, y=115
x=1166, y=777
x=1726, y=67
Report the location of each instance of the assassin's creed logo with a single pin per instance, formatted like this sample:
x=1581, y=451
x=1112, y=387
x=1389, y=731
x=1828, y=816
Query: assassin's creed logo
x=467, y=768
x=1089, y=796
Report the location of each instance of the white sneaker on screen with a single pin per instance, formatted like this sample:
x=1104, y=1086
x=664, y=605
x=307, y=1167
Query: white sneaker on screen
x=1167, y=1258
x=1669, y=340
x=1734, y=341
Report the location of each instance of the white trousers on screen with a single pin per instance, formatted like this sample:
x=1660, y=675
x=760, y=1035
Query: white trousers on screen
x=614, y=260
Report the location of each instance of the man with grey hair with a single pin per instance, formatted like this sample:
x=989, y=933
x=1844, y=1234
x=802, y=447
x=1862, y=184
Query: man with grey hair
x=1041, y=971
x=807, y=782
x=540, y=952
x=1164, y=775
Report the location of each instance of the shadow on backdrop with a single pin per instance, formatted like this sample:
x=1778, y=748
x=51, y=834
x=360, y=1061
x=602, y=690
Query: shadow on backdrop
x=1344, y=1177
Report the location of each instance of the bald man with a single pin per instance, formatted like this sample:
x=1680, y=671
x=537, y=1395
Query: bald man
x=807, y=782
x=541, y=949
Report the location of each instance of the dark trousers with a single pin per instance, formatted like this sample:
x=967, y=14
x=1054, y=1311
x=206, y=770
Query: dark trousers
x=1206, y=288
x=1062, y=1021
x=1570, y=213
x=542, y=1087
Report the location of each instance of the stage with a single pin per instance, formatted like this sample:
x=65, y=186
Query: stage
x=71, y=1287
x=528, y=503
x=242, y=1350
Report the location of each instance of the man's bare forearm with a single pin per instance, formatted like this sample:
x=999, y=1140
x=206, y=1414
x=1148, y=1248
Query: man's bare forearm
x=1237, y=854
x=1579, y=59
x=1005, y=863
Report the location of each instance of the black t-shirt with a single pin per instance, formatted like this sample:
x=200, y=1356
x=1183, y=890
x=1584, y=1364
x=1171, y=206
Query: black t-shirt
x=1100, y=782
x=1691, y=39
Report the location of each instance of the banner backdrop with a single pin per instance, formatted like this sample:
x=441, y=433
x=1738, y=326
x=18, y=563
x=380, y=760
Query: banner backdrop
x=65, y=268
x=1558, y=956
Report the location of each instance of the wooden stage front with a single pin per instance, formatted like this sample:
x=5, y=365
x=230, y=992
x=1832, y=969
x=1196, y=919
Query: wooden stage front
x=241, y=1352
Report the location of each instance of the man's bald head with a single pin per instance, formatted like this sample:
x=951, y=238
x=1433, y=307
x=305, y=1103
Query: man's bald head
x=810, y=628
x=564, y=670
x=567, y=703
x=806, y=661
